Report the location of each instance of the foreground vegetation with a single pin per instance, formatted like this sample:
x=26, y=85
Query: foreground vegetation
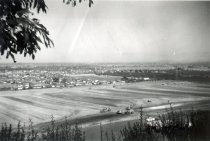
x=171, y=126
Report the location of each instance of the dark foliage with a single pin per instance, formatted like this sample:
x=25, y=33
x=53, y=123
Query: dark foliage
x=19, y=31
x=175, y=126
x=138, y=132
x=8, y=133
x=183, y=126
x=200, y=130
x=75, y=2
x=63, y=132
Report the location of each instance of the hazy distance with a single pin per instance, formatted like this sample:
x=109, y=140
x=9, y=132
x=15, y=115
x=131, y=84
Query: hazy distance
x=123, y=31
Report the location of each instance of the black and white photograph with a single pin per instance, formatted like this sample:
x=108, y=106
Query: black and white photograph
x=104, y=70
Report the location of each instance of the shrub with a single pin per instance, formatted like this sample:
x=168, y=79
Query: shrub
x=174, y=126
x=62, y=132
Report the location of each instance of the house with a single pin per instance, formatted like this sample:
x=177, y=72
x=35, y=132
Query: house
x=146, y=78
x=20, y=87
x=129, y=111
x=26, y=85
x=69, y=85
x=37, y=86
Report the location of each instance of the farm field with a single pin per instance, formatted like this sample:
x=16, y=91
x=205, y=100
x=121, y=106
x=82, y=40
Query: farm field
x=84, y=104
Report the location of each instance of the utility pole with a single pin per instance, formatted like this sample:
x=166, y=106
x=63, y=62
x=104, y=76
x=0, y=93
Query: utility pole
x=141, y=118
x=101, y=130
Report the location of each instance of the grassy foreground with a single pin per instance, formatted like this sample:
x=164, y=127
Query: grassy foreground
x=171, y=126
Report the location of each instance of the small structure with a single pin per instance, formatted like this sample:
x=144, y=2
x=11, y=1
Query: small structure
x=129, y=111
x=129, y=107
x=149, y=100
x=105, y=110
x=26, y=85
x=20, y=87
x=89, y=86
x=119, y=112
x=114, y=84
x=37, y=86
x=146, y=78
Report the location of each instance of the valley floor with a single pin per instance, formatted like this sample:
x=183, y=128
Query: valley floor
x=83, y=105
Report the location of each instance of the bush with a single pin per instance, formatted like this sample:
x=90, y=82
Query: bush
x=62, y=132
x=174, y=126
x=7, y=133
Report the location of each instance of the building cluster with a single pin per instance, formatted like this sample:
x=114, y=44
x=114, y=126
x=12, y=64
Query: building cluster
x=38, y=79
x=49, y=75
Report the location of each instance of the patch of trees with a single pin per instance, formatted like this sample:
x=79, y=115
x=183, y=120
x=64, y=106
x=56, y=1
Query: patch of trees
x=172, y=74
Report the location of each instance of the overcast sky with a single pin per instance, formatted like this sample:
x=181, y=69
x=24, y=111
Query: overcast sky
x=116, y=31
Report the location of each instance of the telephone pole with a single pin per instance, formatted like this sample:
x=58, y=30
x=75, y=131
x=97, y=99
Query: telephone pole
x=101, y=130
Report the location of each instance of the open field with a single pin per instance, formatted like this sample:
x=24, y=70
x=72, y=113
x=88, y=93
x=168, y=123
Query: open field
x=83, y=104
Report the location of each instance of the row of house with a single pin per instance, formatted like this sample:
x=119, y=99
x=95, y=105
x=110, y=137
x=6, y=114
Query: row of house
x=40, y=85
